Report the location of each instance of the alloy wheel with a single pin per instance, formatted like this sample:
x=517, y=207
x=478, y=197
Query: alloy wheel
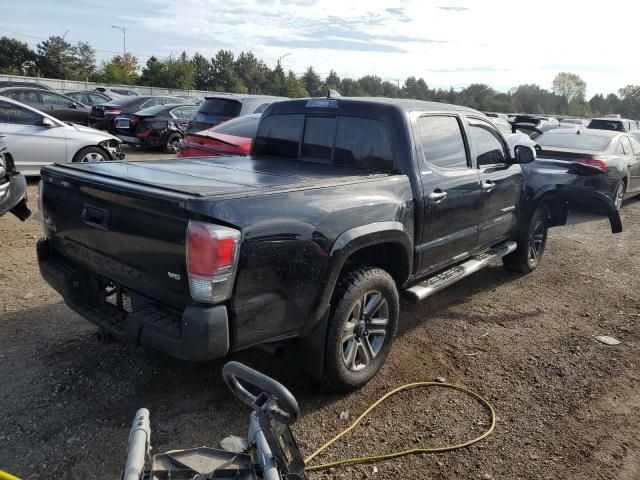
x=93, y=157
x=619, y=196
x=365, y=330
x=536, y=242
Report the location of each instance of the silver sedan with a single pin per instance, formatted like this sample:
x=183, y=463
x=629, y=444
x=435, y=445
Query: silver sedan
x=36, y=139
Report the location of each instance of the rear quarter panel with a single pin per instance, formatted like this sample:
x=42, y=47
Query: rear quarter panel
x=286, y=247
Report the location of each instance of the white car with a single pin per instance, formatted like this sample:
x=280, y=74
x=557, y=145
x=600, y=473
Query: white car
x=513, y=139
x=36, y=139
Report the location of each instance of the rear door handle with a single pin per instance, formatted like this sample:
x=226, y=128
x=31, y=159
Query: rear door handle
x=488, y=185
x=437, y=195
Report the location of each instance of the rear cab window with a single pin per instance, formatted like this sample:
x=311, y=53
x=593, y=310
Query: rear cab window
x=331, y=139
x=572, y=140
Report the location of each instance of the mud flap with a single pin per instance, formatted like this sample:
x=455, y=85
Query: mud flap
x=593, y=199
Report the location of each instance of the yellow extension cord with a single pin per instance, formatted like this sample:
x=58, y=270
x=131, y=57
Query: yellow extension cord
x=7, y=476
x=387, y=456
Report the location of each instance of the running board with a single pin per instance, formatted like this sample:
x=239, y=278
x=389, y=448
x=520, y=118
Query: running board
x=442, y=280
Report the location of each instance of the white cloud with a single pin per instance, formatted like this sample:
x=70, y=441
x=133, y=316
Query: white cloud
x=448, y=43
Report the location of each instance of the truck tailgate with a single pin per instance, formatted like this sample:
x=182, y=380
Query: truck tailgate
x=136, y=239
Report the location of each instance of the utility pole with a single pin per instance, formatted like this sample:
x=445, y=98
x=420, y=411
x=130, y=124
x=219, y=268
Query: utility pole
x=124, y=37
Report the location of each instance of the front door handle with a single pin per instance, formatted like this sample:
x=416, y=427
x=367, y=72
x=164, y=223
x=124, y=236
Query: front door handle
x=437, y=195
x=488, y=185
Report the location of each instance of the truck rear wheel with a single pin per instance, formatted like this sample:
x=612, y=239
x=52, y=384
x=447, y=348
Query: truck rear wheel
x=531, y=244
x=362, y=327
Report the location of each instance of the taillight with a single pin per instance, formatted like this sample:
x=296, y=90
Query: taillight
x=112, y=111
x=212, y=258
x=133, y=119
x=594, y=162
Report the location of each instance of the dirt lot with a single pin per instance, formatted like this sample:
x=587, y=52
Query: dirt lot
x=568, y=406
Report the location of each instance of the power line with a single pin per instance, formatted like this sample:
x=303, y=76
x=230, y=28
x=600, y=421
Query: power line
x=145, y=55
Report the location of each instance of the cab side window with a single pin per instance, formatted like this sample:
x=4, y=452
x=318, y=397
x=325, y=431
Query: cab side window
x=442, y=142
x=486, y=143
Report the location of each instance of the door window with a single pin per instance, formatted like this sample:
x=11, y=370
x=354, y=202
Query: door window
x=626, y=146
x=53, y=99
x=26, y=97
x=442, y=142
x=10, y=113
x=487, y=145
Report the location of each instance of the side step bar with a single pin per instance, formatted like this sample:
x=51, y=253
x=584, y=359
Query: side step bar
x=443, y=279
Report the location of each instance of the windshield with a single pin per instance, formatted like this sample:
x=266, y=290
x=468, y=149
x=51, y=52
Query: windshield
x=156, y=109
x=615, y=125
x=220, y=107
x=239, y=127
x=574, y=141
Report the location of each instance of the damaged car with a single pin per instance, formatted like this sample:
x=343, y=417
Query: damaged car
x=36, y=139
x=13, y=186
x=158, y=126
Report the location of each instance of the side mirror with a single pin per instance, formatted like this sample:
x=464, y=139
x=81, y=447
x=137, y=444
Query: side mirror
x=47, y=123
x=73, y=105
x=524, y=154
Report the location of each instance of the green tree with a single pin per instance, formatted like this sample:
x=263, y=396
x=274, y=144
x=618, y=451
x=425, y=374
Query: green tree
x=224, y=74
x=120, y=70
x=253, y=73
x=202, y=72
x=332, y=81
x=152, y=72
x=371, y=85
x=569, y=85
x=14, y=54
x=416, y=89
x=294, y=88
x=83, y=61
x=277, y=82
x=350, y=88
x=55, y=57
x=390, y=89
x=312, y=83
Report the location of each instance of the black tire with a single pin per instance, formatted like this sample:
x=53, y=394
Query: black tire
x=531, y=243
x=618, y=194
x=171, y=144
x=85, y=152
x=360, y=286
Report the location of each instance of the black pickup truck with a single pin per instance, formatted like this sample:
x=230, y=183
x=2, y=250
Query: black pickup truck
x=306, y=243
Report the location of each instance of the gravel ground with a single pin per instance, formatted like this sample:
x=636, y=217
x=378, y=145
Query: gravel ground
x=568, y=406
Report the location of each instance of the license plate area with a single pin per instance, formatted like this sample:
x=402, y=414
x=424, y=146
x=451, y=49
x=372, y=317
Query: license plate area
x=122, y=123
x=118, y=297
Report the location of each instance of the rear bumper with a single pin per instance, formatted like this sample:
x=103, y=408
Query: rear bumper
x=195, y=334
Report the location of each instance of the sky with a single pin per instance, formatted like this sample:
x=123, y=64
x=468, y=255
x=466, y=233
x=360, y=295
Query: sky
x=450, y=43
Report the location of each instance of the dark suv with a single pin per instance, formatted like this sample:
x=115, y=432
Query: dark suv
x=103, y=116
x=219, y=108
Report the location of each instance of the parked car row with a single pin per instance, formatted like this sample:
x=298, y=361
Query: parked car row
x=35, y=138
x=609, y=147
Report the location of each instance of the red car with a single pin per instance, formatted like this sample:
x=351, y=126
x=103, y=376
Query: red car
x=232, y=137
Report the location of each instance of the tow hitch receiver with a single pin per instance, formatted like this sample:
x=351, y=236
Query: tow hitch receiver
x=271, y=453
